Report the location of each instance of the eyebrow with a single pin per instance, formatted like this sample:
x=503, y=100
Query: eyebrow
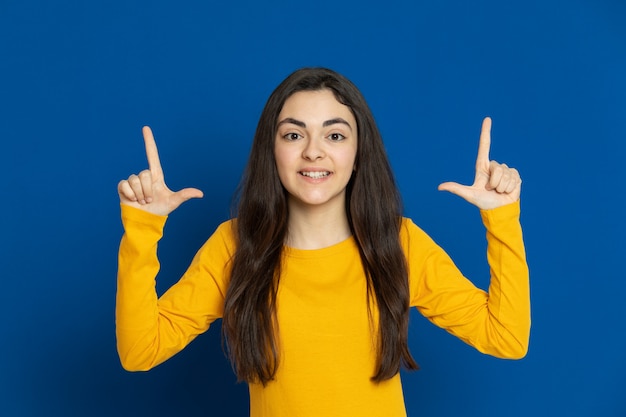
x=303, y=125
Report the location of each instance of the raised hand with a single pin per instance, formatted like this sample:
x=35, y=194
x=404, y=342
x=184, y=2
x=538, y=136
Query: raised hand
x=147, y=190
x=495, y=184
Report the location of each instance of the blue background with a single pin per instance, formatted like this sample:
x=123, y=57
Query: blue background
x=79, y=79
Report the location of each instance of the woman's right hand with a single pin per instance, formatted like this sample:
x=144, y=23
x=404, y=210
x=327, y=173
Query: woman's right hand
x=147, y=190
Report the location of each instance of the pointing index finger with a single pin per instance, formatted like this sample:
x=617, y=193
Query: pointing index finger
x=152, y=153
x=484, y=144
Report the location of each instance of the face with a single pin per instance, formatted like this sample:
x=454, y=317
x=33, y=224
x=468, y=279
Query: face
x=315, y=149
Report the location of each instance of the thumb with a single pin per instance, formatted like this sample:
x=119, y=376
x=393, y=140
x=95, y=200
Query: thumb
x=185, y=194
x=462, y=191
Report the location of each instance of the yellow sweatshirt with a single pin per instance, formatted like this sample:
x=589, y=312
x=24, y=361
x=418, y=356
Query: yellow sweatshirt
x=326, y=340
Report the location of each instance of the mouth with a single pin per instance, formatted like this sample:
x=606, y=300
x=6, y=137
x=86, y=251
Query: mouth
x=315, y=174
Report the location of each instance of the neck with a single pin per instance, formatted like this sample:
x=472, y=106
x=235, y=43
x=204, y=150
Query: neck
x=313, y=227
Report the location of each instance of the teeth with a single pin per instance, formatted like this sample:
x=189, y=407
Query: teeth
x=316, y=175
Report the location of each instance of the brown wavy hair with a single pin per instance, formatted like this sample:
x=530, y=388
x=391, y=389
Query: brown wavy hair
x=249, y=321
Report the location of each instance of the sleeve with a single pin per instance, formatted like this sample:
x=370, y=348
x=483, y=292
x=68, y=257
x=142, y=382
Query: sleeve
x=149, y=329
x=496, y=323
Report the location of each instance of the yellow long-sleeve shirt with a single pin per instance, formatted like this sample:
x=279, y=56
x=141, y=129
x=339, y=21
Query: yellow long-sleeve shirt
x=327, y=342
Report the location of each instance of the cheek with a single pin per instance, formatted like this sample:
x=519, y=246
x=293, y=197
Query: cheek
x=282, y=162
x=351, y=159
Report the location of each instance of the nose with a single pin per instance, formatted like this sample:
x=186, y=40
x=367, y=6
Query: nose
x=313, y=150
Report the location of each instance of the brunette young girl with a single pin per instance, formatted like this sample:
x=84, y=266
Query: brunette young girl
x=314, y=278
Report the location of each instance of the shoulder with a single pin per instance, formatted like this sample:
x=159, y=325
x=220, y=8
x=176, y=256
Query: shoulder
x=222, y=242
x=408, y=229
x=226, y=232
x=227, y=229
x=414, y=239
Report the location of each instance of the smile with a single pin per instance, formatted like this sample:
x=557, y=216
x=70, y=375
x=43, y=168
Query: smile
x=315, y=174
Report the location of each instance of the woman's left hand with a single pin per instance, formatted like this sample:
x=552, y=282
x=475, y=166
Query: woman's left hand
x=495, y=184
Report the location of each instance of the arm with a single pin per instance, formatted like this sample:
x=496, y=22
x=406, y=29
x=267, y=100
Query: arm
x=149, y=329
x=147, y=333
x=497, y=322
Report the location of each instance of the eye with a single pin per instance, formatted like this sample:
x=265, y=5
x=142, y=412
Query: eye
x=336, y=137
x=292, y=136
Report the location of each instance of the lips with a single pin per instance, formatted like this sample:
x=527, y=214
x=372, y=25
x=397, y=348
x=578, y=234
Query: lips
x=315, y=174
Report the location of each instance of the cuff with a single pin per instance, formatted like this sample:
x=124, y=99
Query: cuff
x=141, y=217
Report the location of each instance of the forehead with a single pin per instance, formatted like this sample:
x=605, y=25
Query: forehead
x=315, y=105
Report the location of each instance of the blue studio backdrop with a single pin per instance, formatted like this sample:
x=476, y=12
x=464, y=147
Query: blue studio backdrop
x=79, y=79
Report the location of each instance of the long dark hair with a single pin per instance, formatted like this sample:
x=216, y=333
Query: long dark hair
x=249, y=322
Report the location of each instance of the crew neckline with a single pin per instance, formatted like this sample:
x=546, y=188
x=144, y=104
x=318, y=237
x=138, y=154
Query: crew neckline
x=331, y=250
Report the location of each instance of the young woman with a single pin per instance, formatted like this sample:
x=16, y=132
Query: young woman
x=315, y=276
